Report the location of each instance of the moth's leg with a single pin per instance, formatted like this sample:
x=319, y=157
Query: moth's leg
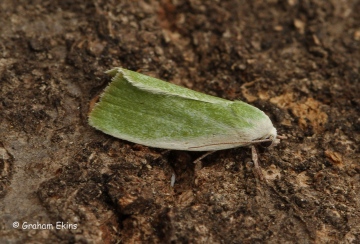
x=203, y=156
x=257, y=169
x=173, y=176
x=172, y=180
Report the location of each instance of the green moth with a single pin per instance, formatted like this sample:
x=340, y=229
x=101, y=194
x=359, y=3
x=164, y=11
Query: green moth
x=155, y=113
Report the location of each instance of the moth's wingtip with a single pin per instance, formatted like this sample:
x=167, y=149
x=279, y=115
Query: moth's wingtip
x=90, y=120
x=113, y=71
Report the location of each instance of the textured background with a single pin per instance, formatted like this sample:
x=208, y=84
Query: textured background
x=296, y=60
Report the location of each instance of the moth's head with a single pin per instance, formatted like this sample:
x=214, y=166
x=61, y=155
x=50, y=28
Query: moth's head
x=273, y=134
x=273, y=137
x=270, y=139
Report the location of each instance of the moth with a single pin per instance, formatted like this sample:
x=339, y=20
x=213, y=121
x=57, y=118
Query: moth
x=155, y=113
